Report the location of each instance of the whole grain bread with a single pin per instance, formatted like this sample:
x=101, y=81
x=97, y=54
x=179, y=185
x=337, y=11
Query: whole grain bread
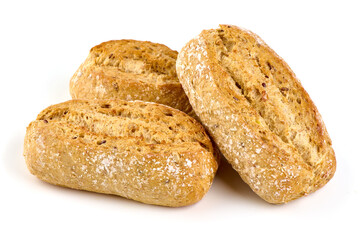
x=257, y=112
x=143, y=151
x=130, y=70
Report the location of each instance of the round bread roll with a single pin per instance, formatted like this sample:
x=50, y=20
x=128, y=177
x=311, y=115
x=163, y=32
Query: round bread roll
x=130, y=70
x=257, y=112
x=142, y=151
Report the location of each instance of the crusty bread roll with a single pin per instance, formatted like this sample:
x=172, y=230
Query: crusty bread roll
x=257, y=112
x=143, y=151
x=130, y=70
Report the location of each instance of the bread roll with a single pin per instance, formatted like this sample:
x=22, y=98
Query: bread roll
x=130, y=70
x=143, y=151
x=257, y=112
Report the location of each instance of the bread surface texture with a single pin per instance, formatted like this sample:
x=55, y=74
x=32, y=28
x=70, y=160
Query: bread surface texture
x=142, y=151
x=130, y=70
x=257, y=112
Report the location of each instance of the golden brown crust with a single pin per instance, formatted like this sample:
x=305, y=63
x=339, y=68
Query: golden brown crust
x=143, y=151
x=130, y=70
x=257, y=112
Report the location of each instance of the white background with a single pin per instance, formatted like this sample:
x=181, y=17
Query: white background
x=43, y=43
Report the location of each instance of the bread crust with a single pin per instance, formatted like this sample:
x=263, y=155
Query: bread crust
x=142, y=151
x=257, y=112
x=130, y=70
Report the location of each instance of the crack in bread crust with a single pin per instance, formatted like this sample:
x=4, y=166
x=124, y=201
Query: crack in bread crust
x=149, y=123
x=132, y=57
x=264, y=94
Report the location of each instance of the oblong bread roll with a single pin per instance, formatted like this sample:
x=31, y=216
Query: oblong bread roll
x=142, y=151
x=257, y=112
x=130, y=70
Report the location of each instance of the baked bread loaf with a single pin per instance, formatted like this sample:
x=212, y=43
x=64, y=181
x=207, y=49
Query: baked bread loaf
x=130, y=70
x=257, y=112
x=143, y=151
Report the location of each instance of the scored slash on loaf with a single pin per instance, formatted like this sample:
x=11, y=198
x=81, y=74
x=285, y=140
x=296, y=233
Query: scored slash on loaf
x=257, y=112
x=142, y=151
